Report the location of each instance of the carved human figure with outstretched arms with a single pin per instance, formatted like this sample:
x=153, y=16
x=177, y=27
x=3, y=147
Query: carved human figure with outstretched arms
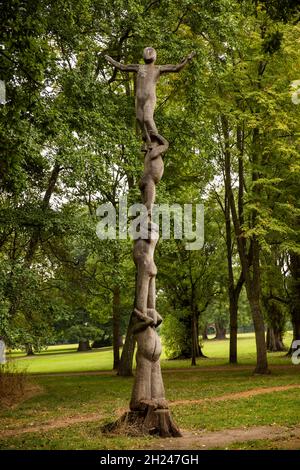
x=147, y=77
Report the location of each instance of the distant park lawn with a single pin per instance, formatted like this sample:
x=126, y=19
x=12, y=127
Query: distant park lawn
x=65, y=358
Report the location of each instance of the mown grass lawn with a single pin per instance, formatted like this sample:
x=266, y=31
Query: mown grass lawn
x=64, y=397
x=64, y=358
x=68, y=396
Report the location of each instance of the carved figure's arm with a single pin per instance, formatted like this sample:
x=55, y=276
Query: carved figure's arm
x=123, y=67
x=177, y=67
x=156, y=151
x=143, y=317
x=141, y=321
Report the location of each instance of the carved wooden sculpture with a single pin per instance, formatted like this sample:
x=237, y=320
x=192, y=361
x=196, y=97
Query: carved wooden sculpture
x=149, y=409
x=147, y=77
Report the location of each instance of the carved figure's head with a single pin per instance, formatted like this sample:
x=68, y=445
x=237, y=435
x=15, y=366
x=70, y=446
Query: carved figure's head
x=149, y=55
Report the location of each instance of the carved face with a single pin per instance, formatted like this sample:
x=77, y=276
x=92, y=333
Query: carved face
x=149, y=55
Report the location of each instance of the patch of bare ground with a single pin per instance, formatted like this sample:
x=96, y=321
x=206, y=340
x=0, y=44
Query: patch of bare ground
x=57, y=423
x=289, y=443
x=236, y=396
x=204, y=440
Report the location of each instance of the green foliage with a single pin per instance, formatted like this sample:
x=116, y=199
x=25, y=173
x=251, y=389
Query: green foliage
x=82, y=333
x=69, y=143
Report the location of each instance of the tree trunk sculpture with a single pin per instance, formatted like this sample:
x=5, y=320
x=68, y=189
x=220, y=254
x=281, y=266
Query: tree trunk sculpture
x=149, y=411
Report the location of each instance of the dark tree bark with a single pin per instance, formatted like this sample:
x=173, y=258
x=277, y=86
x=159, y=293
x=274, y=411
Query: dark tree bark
x=125, y=364
x=276, y=322
x=249, y=258
x=116, y=327
x=253, y=293
x=204, y=332
x=233, y=358
x=102, y=342
x=234, y=290
x=296, y=325
x=195, y=339
x=274, y=340
x=195, y=350
x=84, y=345
x=294, y=302
x=29, y=349
x=191, y=349
x=220, y=331
x=199, y=348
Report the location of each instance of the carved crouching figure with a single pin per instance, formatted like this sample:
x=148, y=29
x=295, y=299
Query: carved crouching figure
x=153, y=171
x=148, y=386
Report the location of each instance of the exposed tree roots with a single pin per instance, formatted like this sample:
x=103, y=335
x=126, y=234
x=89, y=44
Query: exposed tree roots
x=152, y=420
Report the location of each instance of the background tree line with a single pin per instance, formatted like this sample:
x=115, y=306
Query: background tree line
x=69, y=143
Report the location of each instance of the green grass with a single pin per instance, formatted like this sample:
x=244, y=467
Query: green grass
x=64, y=358
x=70, y=361
x=265, y=444
x=109, y=395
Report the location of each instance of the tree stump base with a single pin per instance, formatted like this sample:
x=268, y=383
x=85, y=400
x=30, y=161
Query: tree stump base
x=152, y=420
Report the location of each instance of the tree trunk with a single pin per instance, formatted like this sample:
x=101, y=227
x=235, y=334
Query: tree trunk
x=274, y=340
x=248, y=260
x=296, y=333
x=204, y=332
x=276, y=323
x=252, y=282
x=29, y=349
x=196, y=350
x=233, y=301
x=199, y=348
x=296, y=327
x=200, y=353
x=84, y=345
x=295, y=297
x=253, y=294
x=270, y=339
x=261, y=348
x=125, y=364
x=233, y=290
x=220, y=331
x=195, y=339
x=233, y=332
x=116, y=327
